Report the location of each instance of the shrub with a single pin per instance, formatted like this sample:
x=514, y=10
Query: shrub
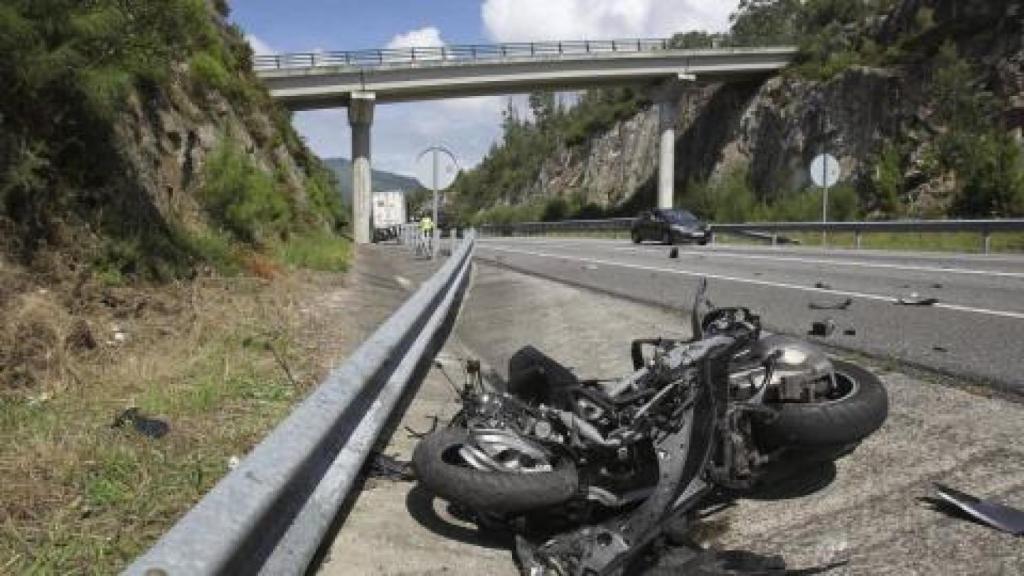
x=208, y=72
x=242, y=198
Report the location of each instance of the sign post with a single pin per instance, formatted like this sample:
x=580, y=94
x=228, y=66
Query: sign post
x=437, y=175
x=825, y=173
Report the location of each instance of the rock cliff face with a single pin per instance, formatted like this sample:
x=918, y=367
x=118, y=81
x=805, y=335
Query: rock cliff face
x=775, y=128
x=165, y=140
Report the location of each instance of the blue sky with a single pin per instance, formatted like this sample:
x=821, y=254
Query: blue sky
x=468, y=126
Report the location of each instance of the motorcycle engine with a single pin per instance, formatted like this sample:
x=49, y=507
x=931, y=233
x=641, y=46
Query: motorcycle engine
x=800, y=372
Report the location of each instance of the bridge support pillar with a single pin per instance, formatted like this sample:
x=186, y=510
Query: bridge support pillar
x=667, y=98
x=360, y=118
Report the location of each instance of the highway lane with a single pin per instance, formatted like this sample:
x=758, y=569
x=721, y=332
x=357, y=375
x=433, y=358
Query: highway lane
x=976, y=330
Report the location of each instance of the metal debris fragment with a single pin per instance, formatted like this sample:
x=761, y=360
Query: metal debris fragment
x=998, y=516
x=144, y=425
x=386, y=467
x=841, y=305
x=915, y=299
x=823, y=328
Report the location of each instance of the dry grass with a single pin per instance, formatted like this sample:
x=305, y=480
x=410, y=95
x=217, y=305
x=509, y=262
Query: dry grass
x=220, y=360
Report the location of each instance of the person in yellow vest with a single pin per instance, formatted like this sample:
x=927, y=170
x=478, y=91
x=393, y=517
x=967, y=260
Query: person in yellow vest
x=427, y=228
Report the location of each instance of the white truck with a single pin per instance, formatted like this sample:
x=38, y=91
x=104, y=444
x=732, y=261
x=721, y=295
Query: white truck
x=388, y=214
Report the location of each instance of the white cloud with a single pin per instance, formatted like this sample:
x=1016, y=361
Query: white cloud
x=259, y=47
x=535, y=20
x=428, y=36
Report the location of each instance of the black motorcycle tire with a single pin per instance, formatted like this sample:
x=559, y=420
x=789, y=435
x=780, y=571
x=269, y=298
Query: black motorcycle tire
x=501, y=493
x=844, y=421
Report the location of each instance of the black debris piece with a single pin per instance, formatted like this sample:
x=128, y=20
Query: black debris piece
x=914, y=299
x=998, y=516
x=841, y=305
x=823, y=328
x=937, y=285
x=386, y=467
x=433, y=426
x=823, y=285
x=850, y=332
x=142, y=424
x=673, y=253
x=940, y=349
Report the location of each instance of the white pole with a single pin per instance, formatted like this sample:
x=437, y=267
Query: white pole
x=824, y=200
x=434, y=232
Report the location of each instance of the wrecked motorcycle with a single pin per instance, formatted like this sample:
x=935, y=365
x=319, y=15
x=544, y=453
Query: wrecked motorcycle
x=606, y=466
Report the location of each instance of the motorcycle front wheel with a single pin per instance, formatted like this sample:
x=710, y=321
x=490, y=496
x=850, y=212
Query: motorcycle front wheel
x=441, y=469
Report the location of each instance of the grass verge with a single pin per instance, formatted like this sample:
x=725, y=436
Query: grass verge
x=220, y=360
x=324, y=252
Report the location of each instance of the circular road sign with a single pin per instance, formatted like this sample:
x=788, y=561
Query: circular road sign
x=436, y=168
x=825, y=170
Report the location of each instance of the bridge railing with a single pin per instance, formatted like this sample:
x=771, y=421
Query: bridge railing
x=771, y=231
x=270, y=514
x=458, y=53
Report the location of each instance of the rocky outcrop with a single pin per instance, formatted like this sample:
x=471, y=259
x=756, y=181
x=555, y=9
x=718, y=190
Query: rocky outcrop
x=775, y=128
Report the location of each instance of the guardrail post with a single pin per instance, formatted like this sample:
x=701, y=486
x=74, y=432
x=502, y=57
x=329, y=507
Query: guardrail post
x=775, y=238
x=856, y=238
x=986, y=241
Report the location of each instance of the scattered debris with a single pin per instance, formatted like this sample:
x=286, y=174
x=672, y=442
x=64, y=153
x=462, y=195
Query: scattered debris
x=914, y=299
x=433, y=426
x=940, y=349
x=850, y=332
x=823, y=328
x=151, y=427
x=998, y=516
x=673, y=253
x=233, y=462
x=937, y=285
x=842, y=305
x=380, y=465
x=822, y=285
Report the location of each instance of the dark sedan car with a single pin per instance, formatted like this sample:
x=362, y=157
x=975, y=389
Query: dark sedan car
x=670, y=226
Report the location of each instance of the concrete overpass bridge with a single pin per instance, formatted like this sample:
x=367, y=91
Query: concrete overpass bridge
x=361, y=79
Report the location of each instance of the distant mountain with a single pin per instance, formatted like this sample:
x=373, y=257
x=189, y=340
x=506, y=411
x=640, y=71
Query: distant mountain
x=382, y=181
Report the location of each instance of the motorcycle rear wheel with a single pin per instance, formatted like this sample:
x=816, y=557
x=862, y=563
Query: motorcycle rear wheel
x=440, y=469
x=846, y=420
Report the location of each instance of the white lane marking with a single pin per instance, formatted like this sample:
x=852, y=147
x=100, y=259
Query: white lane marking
x=851, y=263
x=734, y=248
x=866, y=296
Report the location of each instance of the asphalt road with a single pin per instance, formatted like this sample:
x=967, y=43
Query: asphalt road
x=975, y=332
x=864, y=516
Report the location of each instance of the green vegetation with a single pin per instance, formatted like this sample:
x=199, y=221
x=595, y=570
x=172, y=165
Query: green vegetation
x=243, y=199
x=322, y=251
x=80, y=497
x=497, y=190
x=731, y=198
x=73, y=72
x=954, y=152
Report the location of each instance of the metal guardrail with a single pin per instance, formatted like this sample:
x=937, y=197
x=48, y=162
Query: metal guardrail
x=770, y=231
x=377, y=57
x=458, y=53
x=270, y=514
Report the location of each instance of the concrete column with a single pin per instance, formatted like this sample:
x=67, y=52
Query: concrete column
x=360, y=117
x=667, y=111
x=667, y=97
